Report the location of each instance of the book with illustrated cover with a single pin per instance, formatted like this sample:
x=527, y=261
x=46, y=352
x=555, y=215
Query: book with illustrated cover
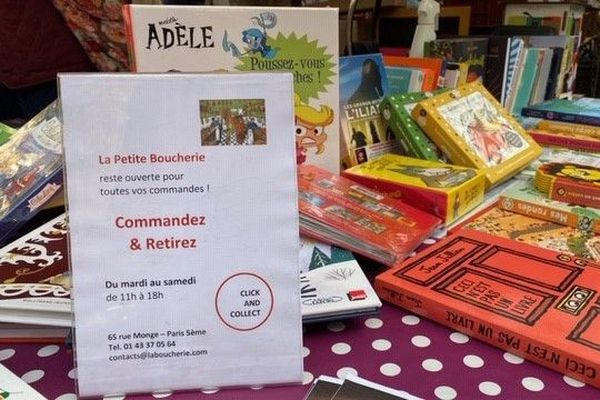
x=404, y=80
x=572, y=141
x=433, y=69
x=537, y=232
x=524, y=198
x=563, y=155
x=574, y=183
x=332, y=284
x=301, y=40
x=585, y=110
x=363, y=85
x=342, y=212
x=35, y=281
x=470, y=50
x=539, y=304
x=14, y=388
x=30, y=170
x=474, y=130
x=5, y=133
x=446, y=191
x=395, y=112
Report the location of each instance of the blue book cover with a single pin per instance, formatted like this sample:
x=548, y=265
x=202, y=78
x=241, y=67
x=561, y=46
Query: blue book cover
x=363, y=84
x=585, y=110
x=527, y=80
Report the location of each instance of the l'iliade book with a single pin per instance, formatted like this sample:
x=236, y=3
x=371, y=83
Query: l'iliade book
x=35, y=283
x=339, y=211
x=585, y=110
x=569, y=182
x=536, y=303
x=474, y=130
x=300, y=40
x=363, y=84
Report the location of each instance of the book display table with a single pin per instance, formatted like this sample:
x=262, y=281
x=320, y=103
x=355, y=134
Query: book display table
x=393, y=348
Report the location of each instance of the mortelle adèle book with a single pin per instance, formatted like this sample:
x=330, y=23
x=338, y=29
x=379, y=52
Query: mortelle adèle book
x=536, y=303
x=336, y=210
x=34, y=277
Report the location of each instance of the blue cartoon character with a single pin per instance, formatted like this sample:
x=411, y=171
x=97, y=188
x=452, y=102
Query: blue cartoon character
x=255, y=38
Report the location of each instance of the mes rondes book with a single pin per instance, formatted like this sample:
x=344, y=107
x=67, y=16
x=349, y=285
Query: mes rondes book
x=300, y=40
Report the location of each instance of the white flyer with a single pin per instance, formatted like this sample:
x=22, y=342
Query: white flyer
x=183, y=218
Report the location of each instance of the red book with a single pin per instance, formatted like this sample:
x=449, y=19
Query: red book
x=536, y=303
x=579, y=142
x=339, y=211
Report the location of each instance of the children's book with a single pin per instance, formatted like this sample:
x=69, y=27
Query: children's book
x=537, y=232
x=446, y=191
x=573, y=183
x=14, y=388
x=496, y=65
x=585, y=110
x=523, y=198
x=433, y=69
x=569, y=128
x=342, y=212
x=563, y=155
x=471, y=50
x=30, y=170
x=35, y=284
x=363, y=85
x=474, y=130
x=332, y=284
x=514, y=56
x=395, y=113
x=526, y=80
x=571, y=141
x=301, y=40
x=536, y=303
x=404, y=80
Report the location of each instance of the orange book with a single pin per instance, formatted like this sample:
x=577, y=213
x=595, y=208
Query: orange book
x=432, y=68
x=537, y=303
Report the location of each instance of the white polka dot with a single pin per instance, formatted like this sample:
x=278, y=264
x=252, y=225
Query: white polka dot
x=513, y=359
x=5, y=354
x=161, y=394
x=256, y=387
x=429, y=241
x=47, y=351
x=410, y=320
x=336, y=326
x=72, y=373
x=374, y=323
x=210, y=390
x=33, y=376
x=459, y=338
x=341, y=348
x=445, y=393
x=307, y=378
x=432, y=365
x=573, y=382
x=420, y=341
x=390, y=369
x=473, y=361
x=305, y=351
x=114, y=397
x=490, y=388
x=67, y=396
x=342, y=373
x=533, y=384
x=381, y=344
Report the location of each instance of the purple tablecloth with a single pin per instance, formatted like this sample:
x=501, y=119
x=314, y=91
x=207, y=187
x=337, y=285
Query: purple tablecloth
x=394, y=348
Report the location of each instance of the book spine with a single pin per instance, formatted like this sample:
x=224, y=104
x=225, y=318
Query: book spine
x=128, y=23
x=561, y=116
x=544, y=212
x=569, y=128
x=529, y=347
x=572, y=143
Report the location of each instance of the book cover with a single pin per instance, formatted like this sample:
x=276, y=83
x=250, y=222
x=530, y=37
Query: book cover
x=569, y=128
x=405, y=80
x=35, y=281
x=301, y=40
x=396, y=116
x=332, y=284
x=574, y=183
x=514, y=58
x=536, y=303
x=571, y=141
x=541, y=81
x=496, y=65
x=14, y=388
x=363, y=84
x=446, y=191
x=337, y=210
x=585, y=110
x=524, y=199
x=5, y=133
x=526, y=81
x=30, y=170
x=474, y=130
x=433, y=69
x=559, y=154
x=471, y=50
x=559, y=65
x=537, y=232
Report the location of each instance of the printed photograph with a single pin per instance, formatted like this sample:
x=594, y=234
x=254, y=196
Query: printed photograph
x=233, y=122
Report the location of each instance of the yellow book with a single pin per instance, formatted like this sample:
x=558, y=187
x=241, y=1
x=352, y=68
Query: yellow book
x=446, y=191
x=474, y=130
x=569, y=128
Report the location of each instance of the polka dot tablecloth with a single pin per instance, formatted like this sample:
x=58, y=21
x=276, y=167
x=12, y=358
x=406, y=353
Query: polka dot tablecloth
x=393, y=348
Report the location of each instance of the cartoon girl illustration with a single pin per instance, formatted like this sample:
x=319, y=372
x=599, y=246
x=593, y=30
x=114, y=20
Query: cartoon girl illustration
x=310, y=128
x=254, y=38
